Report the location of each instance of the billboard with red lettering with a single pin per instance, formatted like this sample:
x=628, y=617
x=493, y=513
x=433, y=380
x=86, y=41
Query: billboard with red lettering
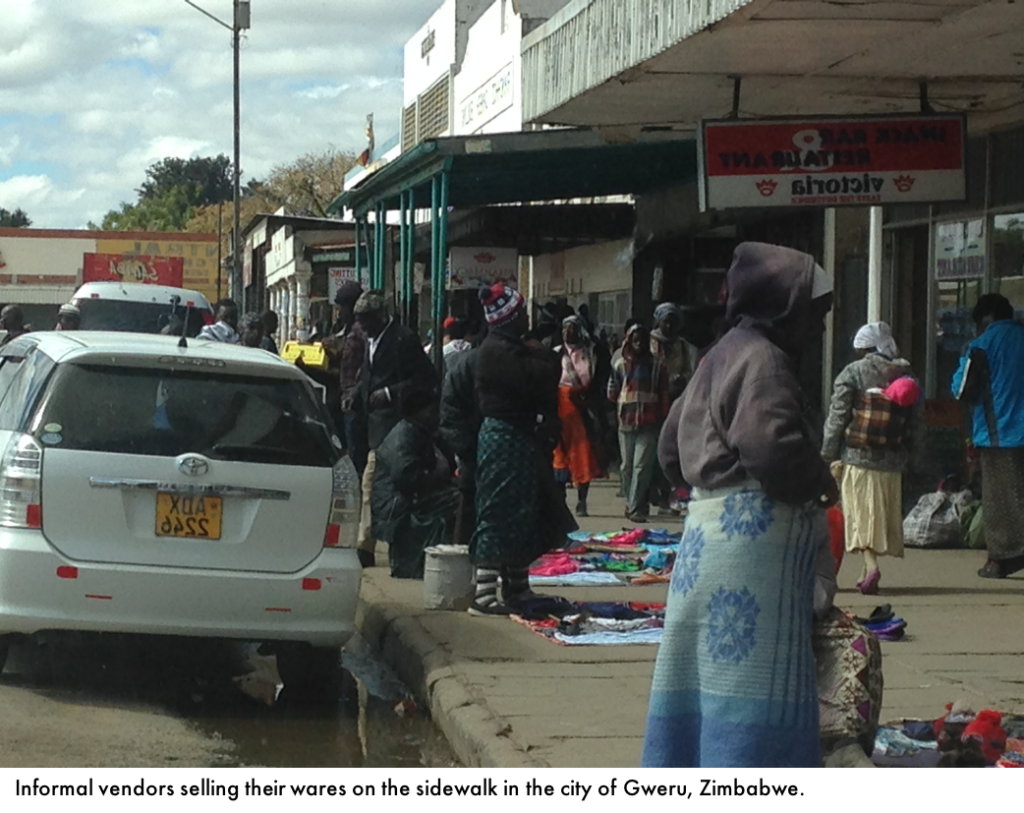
x=854, y=161
x=128, y=268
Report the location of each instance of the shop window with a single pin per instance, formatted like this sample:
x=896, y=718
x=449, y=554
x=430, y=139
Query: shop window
x=960, y=265
x=1008, y=258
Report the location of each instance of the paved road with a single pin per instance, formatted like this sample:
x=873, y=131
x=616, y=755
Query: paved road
x=127, y=701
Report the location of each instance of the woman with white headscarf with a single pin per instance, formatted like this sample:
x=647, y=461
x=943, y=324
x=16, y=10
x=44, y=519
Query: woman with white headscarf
x=872, y=429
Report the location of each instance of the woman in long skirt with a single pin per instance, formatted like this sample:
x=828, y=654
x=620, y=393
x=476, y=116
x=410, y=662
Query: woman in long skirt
x=873, y=435
x=520, y=510
x=734, y=681
x=577, y=457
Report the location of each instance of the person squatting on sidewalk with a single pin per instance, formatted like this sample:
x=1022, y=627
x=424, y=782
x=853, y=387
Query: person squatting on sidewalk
x=873, y=430
x=521, y=512
x=639, y=388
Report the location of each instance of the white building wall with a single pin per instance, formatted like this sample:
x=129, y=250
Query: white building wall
x=579, y=272
x=423, y=70
x=28, y=257
x=487, y=89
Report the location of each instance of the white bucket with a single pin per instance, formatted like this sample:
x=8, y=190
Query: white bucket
x=448, y=578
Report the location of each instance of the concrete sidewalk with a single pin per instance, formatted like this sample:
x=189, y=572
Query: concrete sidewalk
x=506, y=697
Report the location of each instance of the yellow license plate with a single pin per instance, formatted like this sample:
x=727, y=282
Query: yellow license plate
x=188, y=516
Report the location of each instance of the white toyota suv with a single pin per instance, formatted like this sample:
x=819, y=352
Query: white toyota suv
x=151, y=488
x=133, y=307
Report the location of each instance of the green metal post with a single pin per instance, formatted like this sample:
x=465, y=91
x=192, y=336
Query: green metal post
x=411, y=254
x=382, y=232
x=442, y=252
x=403, y=303
x=436, y=276
x=358, y=252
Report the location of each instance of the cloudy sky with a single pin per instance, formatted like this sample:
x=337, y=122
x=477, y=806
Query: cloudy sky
x=94, y=91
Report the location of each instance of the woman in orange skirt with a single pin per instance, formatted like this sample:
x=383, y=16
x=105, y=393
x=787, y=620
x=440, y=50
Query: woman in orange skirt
x=576, y=458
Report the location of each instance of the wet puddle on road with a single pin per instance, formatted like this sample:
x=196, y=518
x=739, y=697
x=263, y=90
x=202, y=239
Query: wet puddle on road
x=196, y=681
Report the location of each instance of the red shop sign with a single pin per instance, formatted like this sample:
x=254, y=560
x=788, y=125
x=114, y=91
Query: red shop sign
x=832, y=161
x=119, y=267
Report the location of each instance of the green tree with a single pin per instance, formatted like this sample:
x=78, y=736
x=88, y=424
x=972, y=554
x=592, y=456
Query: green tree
x=174, y=188
x=14, y=220
x=211, y=179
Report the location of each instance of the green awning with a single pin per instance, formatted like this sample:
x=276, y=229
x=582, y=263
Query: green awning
x=549, y=165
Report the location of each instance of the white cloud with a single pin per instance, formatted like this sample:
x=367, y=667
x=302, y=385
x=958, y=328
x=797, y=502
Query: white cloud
x=95, y=91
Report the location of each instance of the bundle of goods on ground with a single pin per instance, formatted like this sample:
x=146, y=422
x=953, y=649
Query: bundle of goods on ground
x=605, y=623
x=639, y=556
x=961, y=738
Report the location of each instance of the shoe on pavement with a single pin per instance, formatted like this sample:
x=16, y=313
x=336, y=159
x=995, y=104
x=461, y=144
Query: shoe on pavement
x=1001, y=568
x=581, y=509
x=366, y=558
x=483, y=610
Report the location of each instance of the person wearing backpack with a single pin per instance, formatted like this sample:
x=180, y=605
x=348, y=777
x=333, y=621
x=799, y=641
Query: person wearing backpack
x=991, y=377
x=873, y=426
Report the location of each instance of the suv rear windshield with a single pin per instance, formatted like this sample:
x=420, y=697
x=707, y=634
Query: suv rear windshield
x=138, y=317
x=166, y=413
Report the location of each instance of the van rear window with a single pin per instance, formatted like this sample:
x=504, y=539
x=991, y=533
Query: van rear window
x=166, y=413
x=138, y=317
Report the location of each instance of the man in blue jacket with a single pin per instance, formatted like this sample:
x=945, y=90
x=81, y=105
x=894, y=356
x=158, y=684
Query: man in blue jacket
x=991, y=376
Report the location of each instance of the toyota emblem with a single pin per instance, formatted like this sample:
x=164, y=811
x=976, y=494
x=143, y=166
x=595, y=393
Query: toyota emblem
x=193, y=465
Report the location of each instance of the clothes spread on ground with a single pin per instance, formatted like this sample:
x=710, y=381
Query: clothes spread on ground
x=961, y=738
x=572, y=623
x=740, y=607
x=640, y=556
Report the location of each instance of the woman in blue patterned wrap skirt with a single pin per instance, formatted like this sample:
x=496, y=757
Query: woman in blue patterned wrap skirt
x=734, y=681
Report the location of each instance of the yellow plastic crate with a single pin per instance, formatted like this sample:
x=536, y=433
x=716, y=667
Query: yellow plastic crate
x=313, y=355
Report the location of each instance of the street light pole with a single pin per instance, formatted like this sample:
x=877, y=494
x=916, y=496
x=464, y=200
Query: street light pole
x=241, y=21
x=236, y=249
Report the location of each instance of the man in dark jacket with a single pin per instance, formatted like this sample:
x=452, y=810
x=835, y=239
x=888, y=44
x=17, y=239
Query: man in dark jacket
x=395, y=368
x=414, y=494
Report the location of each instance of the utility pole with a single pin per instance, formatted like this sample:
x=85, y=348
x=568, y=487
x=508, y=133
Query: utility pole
x=241, y=21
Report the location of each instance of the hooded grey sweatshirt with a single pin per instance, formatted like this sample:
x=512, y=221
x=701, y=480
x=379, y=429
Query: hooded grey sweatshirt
x=743, y=416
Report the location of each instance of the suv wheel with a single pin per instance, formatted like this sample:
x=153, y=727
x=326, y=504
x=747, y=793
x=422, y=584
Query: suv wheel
x=5, y=647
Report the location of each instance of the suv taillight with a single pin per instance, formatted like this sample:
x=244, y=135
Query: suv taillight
x=342, y=524
x=21, y=484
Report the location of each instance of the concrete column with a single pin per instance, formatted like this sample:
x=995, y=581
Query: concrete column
x=875, y=265
x=293, y=311
x=302, y=279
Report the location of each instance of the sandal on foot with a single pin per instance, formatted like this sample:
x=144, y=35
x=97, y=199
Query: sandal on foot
x=869, y=586
x=495, y=609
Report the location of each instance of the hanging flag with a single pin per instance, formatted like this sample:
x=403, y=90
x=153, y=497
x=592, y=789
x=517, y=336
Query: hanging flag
x=367, y=154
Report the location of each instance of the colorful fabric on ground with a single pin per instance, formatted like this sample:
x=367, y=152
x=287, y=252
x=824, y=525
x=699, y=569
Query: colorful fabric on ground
x=575, y=453
x=571, y=623
x=520, y=514
x=640, y=557
x=848, y=659
x=873, y=510
x=734, y=680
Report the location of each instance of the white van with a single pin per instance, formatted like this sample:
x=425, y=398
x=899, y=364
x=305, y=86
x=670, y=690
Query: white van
x=149, y=488
x=132, y=307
